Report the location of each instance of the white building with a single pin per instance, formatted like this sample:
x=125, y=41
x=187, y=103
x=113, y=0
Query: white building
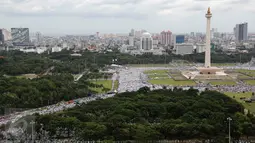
x=7, y=34
x=200, y=48
x=37, y=50
x=146, y=41
x=155, y=42
x=56, y=49
x=184, y=49
x=131, y=41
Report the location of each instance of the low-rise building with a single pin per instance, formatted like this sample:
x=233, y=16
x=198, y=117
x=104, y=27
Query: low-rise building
x=184, y=49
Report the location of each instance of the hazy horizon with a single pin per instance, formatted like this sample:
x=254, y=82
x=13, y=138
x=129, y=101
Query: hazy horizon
x=79, y=17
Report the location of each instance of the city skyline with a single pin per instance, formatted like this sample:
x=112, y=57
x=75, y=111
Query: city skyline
x=119, y=16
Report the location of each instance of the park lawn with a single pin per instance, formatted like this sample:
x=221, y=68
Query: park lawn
x=158, y=75
x=247, y=72
x=250, y=82
x=223, y=64
x=242, y=76
x=249, y=106
x=173, y=82
x=116, y=85
x=155, y=72
x=223, y=82
x=105, y=83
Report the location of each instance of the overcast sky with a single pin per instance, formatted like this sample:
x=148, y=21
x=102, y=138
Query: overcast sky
x=119, y=16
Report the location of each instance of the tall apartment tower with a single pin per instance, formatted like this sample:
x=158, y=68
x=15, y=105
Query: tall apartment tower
x=165, y=37
x=241, y=32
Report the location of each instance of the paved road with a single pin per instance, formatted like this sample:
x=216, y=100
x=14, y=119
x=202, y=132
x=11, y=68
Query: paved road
x=52, y=108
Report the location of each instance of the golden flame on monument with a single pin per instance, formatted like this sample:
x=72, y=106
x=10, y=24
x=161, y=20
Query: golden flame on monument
x=209, y=10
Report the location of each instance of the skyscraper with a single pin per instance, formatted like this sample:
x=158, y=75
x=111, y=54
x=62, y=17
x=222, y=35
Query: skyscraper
x=38, y=36
x=20, y=36
x=146, y=41
x=1, y=36
x=131, y=37
x=165, y=37
x=241, y=32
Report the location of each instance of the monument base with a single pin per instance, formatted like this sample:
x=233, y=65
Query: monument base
x=210, y=70
x=212, y=73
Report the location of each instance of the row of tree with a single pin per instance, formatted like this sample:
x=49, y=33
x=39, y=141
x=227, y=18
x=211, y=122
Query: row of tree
x=16, y=62
x=152, y=115
x=27, y=93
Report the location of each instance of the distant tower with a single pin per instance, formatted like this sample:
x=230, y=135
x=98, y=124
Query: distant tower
x=208, y=39
x=97, y=34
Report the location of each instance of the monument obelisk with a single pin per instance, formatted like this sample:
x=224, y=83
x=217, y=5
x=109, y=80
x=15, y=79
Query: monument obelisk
x=208, y=15
x=206, y=71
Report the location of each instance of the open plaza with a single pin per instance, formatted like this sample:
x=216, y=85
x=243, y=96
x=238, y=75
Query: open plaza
x=238, y=82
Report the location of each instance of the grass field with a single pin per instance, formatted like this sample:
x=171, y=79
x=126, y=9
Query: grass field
x=158, y=76
x=155, y=72
x=247, y=72
x=223, y=64
x=172, y=82
x=250, y=82
x=223, y=82
x=242, y=76
x=249, y=106
x=105, y=83
x=116, y=85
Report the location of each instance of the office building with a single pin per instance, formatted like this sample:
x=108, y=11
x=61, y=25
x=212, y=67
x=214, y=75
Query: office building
x=146, y=41
x=7, y=35
x=132, y=33
x=180, y=39
x=184, y=49
x=131, y=38
x=241, y=32
x=20, y=36
x=1, y=36
x=131, y=41
x=165, y=38
x=38, y=36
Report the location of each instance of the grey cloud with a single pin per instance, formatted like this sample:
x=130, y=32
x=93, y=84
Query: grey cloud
x=123, y=1
x=239, y=1
x=119, y=15
x=196, y=8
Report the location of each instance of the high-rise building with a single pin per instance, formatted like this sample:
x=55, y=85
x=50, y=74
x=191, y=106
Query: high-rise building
x=241, y=32
x=132, y=33
x=7, y=35
x=165, y=37
x=1, y=36
x=146, y=41
x=20, y=36
x=131, y=37
x=131, y=41
x=38, y=36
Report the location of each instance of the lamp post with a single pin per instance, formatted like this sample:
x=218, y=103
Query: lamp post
x=229, y=136
x=32, y=123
